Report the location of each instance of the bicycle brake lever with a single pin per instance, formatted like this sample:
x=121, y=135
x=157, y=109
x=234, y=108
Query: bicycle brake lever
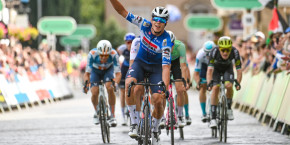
x=129, y=88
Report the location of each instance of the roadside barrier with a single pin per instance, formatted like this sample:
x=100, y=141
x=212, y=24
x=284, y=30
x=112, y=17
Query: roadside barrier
x=29, y=89
x=267, y=99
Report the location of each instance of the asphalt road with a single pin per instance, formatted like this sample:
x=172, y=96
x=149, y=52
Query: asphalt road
x=70, y=122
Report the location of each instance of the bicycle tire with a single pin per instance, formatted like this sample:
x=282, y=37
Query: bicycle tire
x=172, y=121
x=146, y=125
x=181, y=133
x=225, y=119
x=107, y=126
x=221, y=124
x=102, y=121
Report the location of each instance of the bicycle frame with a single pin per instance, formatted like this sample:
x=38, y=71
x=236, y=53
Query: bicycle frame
x=168, y=112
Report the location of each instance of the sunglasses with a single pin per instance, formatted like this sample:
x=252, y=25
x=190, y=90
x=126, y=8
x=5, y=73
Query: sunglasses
x=128, y=42
x=225, y=50
x=158, y=19
x=104, y=55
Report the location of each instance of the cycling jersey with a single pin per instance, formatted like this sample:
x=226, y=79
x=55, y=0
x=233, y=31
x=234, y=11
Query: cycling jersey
x=94, y=61
x=216, y=60
x=201, y=59
x=126, y=53
x=134, y=48
x=179, y=51
x=153, y=49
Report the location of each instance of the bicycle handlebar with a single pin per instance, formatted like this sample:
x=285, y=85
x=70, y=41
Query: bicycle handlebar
x=147, y=84
x=211, y=84
x=179, y=80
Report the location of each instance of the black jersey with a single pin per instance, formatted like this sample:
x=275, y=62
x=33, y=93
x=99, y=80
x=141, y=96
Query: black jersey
x=216, y=60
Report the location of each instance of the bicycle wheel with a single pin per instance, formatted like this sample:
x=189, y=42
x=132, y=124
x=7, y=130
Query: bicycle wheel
x=102, y=121
x=225, y=122
x=181, y=133
x=146, y=125
x=172, y=120
x=220, y=122
x=107, y=125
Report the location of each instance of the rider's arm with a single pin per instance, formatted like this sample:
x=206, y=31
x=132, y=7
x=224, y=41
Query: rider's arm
x=197, y=66
x=119, y=8
x=210, y=67
x=238, y=65
x=184, y=70
x=89, y=65
x=166, y=75
x=183, y=63
x=134, y=50
x=116, y=64
x=196, y=77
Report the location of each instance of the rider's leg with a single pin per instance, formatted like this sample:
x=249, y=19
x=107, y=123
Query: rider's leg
x=186, y=104
x=94, y=98
x=112, y=97
x=131, y=100
x=122, y=99
x=214, y=100
x=229, y=87
x=138, y=91
x=157, y=101
x=202, y=98
x=180, y=97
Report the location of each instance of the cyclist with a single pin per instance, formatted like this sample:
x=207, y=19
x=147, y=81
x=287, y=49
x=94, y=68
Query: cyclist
x=178, y=67
x=125, y=51
x=153, y=57
x=200, y=75
x=102, y=62
x=220, y=62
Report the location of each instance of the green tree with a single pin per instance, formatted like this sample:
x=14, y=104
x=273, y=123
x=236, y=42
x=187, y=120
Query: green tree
x=93, y=12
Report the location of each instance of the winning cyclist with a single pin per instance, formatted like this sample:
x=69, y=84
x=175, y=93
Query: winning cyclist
x=102, y=62
x=153, y=57
x=220, y=62
x=124, y=50
x=200, y=74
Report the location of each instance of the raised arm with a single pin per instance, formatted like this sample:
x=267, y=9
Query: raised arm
x=119, y=8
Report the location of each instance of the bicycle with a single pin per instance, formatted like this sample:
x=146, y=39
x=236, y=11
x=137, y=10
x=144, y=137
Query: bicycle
x=103, y=112
x=171, y=119
x=144, y=127
x=222, y=116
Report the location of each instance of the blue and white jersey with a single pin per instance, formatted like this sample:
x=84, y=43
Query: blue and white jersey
x=94, y=61
x=153, y=49
x=126, y=54
x=201, y=58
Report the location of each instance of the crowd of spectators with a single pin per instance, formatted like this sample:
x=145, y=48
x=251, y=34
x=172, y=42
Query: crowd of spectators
x=268, y=55
x=21, y=60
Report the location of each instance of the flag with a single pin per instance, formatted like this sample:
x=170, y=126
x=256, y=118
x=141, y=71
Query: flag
x=277, y=24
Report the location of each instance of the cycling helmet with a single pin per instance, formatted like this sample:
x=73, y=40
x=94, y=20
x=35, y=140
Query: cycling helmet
x=208, y=46
x=225, y=42
x=104, y=47
x=172, y=37
x=160, y=12
x=129, y=37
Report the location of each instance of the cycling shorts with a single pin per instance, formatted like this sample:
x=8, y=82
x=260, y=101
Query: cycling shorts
x=175, y=69
x=124, y=70
x=138, y=69
x=98, y=75
x=228, y=75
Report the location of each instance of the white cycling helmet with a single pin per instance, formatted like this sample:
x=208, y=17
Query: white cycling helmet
x=172, y=37
x=104, y=47
x=160, y=12
x=208, y=46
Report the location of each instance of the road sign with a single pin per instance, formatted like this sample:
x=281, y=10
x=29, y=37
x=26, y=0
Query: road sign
x=237, y=4
x=2, y=4
x=202, y=22
x=57, y=25
x=248, y=19
x=87, y=31
x=73, y=41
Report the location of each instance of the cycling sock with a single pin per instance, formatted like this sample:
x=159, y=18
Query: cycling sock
x=138, y=116
x=180, y=111
x=186, y=110
x=203, y=105
x=213, y=111
x=155, y=123
x=123, y=111
x=133, y=113
x=229, y=103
